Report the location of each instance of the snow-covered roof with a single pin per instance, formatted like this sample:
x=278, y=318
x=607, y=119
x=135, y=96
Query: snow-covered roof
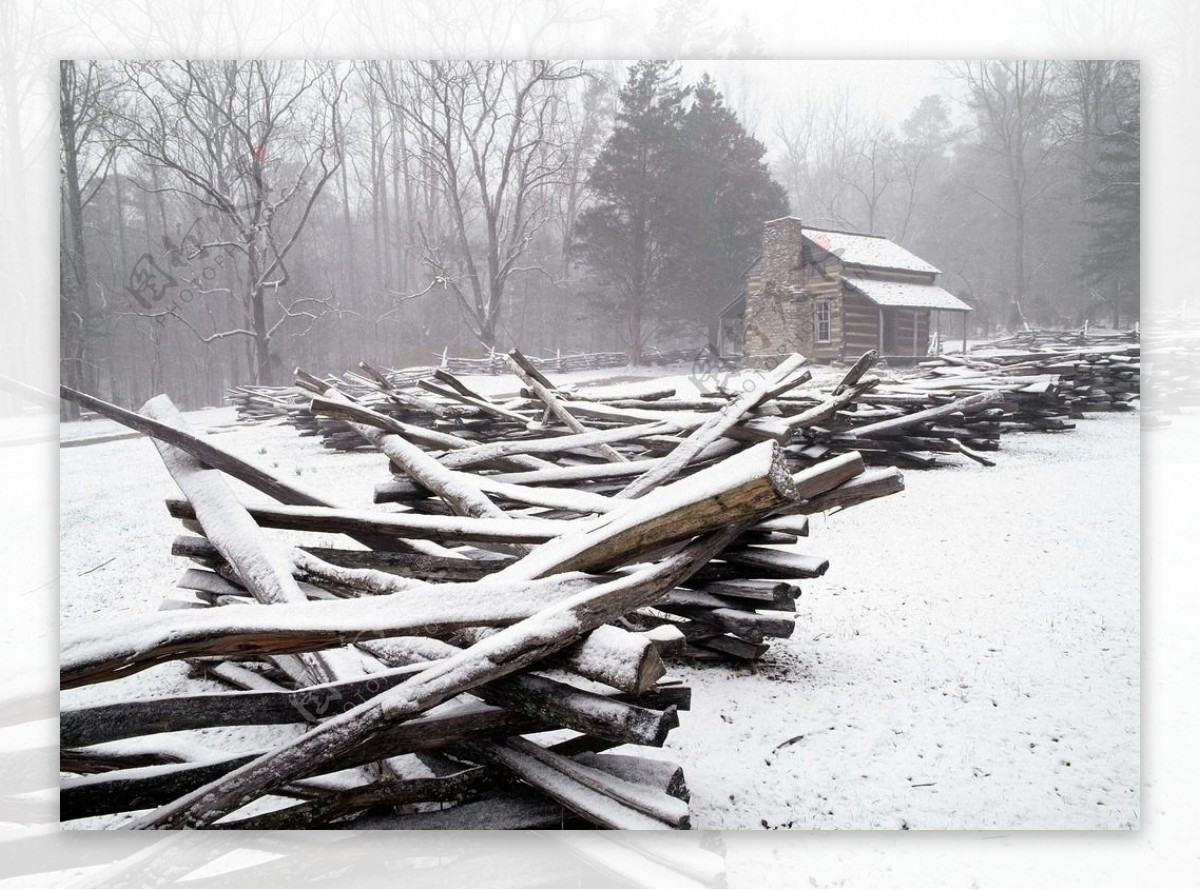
x=873, y=251
x=897, y=293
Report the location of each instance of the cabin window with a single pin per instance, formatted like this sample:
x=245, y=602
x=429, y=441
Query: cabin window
x=821, y=307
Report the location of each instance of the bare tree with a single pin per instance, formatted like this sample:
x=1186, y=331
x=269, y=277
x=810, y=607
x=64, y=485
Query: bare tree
x=250, y=145
x=492, y=135
x=588, y=120
x=85, y=159
x=926, y=134
x=870, y=169
x=794, y=133
x=822, y=149
x=1015, y=103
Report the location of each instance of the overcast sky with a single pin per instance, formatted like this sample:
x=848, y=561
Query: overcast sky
x=762, y=89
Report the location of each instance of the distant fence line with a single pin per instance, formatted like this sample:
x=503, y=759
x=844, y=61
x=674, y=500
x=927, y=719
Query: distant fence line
x=562, y=364
x=256, y=402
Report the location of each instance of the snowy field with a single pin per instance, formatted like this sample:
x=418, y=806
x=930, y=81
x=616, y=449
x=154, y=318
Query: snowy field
x=969, y=661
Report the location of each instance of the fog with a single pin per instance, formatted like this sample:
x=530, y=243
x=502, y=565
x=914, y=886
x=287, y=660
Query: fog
x=225, y=222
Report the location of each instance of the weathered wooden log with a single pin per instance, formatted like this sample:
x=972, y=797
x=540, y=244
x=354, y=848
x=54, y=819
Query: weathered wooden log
x=501, y=529
x=263, y=570
x=457, y=385
x=353, y=414
x=784, y=384
x=214, y=585
x=660, y=774
x=551, y=702
x=610, y=655
x=121, y=646
x=572, y=475
x=870, y=485
x=865, y=363
x=338, y=805
x=972, y=454
x=559, y=704
x=742, y=487
x=790, y=567
x=139, y=788
x=571, y=501
x=827, y=475
x=598, y=796
x=724, y=645
x=625, y=661
x=781, y=563
x=712, y=430
x=513, y=807
x=758, y=537
x=482, y=404
x=504, y=653
x=133, y=787
x=133, y=754
x=752, y=429
x=479, y=454
x=209, y=455
x=91, y=725
x=466, y=721
x=645, y=390
x=529, y=374
x=210, y=583
x=828, y=408
x=457, y=490
x=409, y=565
x=516, y=357
x=233, y=675
x=747, y=625
x=776, y=595
x=893, y=427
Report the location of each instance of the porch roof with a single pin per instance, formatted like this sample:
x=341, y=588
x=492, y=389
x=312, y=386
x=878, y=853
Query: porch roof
x=904, y=294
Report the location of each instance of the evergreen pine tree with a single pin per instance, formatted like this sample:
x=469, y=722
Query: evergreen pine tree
x=727, y=194
x=680, y=199
x=624, y=237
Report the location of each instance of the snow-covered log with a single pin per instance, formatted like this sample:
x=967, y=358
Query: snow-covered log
x=534, y=578
x=538, y=383
x=509, y=650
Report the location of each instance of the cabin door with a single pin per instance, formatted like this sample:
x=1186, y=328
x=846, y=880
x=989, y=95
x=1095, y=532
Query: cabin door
x=887, y=318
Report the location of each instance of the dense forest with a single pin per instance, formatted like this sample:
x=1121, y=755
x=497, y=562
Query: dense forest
x=225, y=221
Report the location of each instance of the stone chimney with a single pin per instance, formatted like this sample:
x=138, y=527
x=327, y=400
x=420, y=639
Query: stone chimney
x=781, y=249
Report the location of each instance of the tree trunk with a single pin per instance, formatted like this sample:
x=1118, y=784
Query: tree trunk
x=75, y=303
x=258, y=309
x=1019, y=249
x=351, y=271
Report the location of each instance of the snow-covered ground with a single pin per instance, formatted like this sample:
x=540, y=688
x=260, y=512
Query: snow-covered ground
x=969, y=661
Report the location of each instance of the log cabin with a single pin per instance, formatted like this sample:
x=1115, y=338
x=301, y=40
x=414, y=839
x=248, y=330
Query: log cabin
x=834, y=295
